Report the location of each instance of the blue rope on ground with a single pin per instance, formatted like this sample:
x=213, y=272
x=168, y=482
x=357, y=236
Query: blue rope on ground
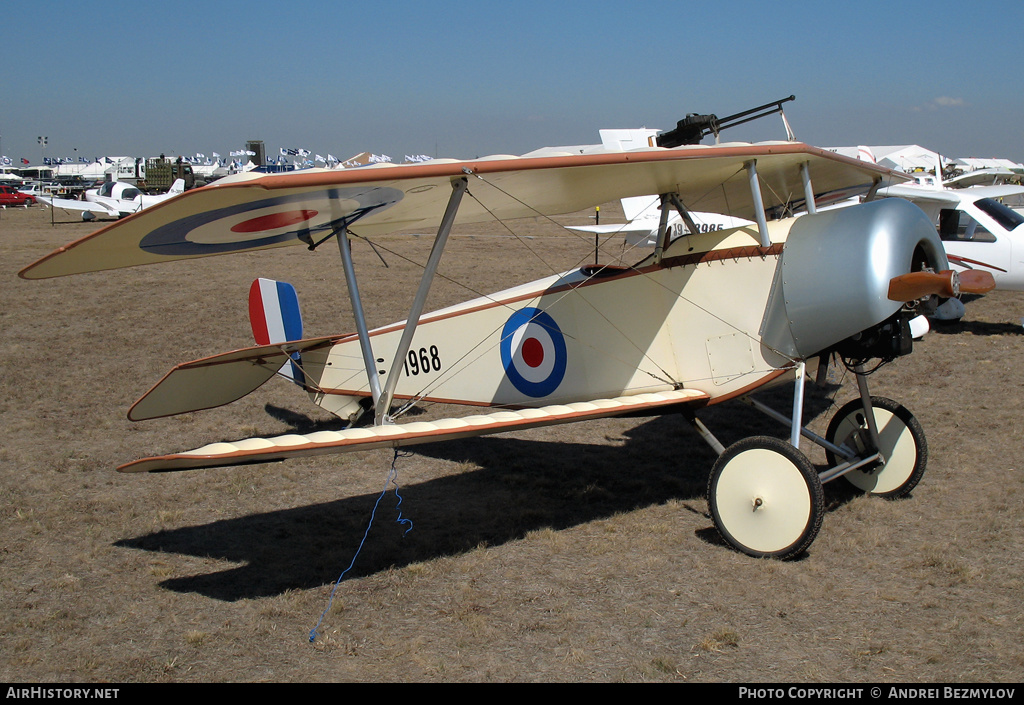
x=391, y=480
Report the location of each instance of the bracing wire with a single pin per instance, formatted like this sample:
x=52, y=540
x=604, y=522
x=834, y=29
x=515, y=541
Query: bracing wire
x=679, y=295
x=663, y=376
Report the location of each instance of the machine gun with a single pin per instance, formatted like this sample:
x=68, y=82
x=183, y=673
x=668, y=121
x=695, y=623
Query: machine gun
x=693, y=128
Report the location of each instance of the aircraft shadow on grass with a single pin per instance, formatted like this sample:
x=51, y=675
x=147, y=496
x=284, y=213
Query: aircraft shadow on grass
x=522, y=485
x=979, y=328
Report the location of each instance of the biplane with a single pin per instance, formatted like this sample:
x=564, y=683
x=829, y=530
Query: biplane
x=723, y=314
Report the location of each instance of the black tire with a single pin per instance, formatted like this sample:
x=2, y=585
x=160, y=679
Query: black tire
x=765, y=498
x=904, y=447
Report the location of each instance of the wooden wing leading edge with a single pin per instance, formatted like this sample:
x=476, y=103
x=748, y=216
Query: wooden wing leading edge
x=259, y=450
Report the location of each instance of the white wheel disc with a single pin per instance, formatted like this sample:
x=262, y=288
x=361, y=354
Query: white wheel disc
x=762, y=501
x=901, y=442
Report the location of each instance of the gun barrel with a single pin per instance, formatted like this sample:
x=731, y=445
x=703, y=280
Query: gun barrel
x=776, y=103
x=693, y=128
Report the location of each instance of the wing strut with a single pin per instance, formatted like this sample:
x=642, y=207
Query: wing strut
x=383, y=406
x=755, y=194
x=798, y=403
x=340, y=228
x=663, y=232
x=805, y=176
x=662, y=229
x=382, y=397
x=357, y=311
x=873, y=191
x=683, y=213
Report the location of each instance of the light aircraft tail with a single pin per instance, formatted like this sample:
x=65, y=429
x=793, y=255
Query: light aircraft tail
x=361, y=159
x=177, y=187
x=275, y=318
x=641, y=207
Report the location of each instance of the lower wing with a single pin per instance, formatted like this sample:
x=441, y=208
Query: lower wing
x=258, y=450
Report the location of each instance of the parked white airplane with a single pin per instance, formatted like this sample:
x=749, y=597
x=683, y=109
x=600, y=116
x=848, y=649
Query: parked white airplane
x=643, y=213
x=978, y=231
x=984, y=177
x=975, y=212
x=114, y=199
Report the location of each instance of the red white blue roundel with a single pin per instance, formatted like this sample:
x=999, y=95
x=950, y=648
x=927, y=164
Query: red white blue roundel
x=533, y=352
x=268, y=221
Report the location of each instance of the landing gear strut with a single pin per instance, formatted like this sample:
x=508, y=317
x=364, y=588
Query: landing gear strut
x=765, y=496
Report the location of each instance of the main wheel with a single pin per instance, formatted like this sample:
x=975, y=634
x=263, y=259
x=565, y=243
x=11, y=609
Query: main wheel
x=765, y=498
x=903, y=446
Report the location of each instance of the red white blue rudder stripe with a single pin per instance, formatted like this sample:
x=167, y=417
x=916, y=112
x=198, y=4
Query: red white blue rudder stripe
x=275, y=317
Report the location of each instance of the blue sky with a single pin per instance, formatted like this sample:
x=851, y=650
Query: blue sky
x=474, y=78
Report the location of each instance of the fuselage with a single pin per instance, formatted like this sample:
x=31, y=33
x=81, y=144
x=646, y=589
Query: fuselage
x=718, y=312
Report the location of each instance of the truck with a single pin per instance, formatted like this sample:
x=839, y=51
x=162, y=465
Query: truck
x=161, y=172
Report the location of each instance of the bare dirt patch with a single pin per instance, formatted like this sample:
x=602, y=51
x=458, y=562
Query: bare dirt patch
x=575, y=553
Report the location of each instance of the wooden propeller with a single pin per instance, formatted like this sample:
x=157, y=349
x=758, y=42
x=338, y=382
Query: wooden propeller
x=947, y=283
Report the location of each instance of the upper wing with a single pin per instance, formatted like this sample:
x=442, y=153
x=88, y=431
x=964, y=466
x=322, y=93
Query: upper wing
x=258, y=211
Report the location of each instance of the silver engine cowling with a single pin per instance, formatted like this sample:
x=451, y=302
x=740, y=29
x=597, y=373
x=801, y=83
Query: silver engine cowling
x=832, y=282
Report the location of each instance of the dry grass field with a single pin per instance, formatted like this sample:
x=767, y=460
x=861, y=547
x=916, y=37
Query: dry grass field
x=572, y=553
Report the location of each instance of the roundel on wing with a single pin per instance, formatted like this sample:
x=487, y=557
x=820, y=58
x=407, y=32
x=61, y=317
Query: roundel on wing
x=533, y=352
x=268, y=221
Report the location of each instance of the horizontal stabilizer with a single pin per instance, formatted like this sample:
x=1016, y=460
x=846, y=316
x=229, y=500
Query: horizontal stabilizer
x=257, y=450
x=610, y=229
x=218, y=380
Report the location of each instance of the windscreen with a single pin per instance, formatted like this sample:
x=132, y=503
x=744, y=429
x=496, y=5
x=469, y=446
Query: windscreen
x=1006, y=217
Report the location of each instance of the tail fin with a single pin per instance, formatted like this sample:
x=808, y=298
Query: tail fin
x=177, y=187
x=361, y=159
x=646, y=207
x=275, y=318
x=638, y=138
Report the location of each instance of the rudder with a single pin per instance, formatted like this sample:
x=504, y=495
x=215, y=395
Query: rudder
x=275, y=318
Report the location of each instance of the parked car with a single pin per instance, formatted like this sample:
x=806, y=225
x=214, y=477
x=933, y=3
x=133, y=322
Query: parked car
x=10, y=196
x=36, y=188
